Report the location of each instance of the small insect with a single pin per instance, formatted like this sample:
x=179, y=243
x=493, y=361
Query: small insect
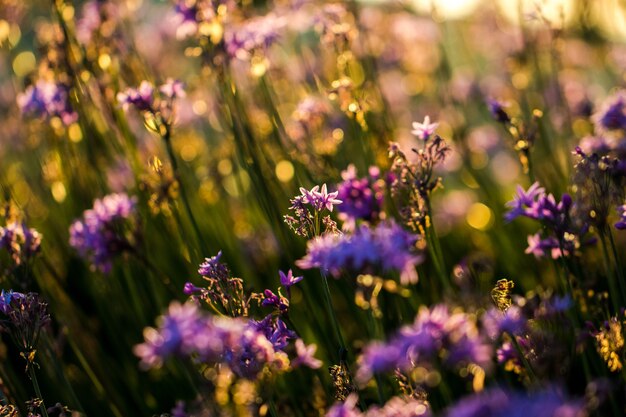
x=501, y=294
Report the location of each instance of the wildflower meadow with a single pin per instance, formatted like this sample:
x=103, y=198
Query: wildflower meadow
x=237, y=208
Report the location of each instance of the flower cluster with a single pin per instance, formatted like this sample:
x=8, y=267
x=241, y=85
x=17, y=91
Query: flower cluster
x=253, y=37
x=159, y=106
x=20, y=242
x=438, y=336
x=308, y=208
x=414, y=181
x=223, y=291
x=47, y=99
x=362, y=198
x=554, y=215
x=106, y=230
x=247, y=347
x=23, y=316
x=499, y=403
x=386, y=247
x=395, y=407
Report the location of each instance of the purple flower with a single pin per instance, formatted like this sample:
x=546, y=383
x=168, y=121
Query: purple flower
x=106, y=230
x=141, y=98
x=424, y=130
x=524, y=199
x=305, y=356
x=213, y=268
x=386, y=247
x=20, y=242
x=172, y=89
x=621, y=224
x=23, y=317
x=499, y=403
x=255, y=35
x=362, y=198
x=321, y=199
x=288, y=280
x=497, y=111
x=273, y=300
x=612, y=116
x=398, y=406
x=436, y=337
x=47, y=99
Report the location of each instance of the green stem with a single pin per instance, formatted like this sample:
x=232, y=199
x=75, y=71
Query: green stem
x=609, y=271
x=183, y=193
x=527, y=365
x=33, y=378
x=331, y=313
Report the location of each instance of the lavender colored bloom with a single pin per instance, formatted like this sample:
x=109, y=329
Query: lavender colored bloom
x=47, y=99
x=23, y=317
x=436, y=337
x=320, y=199
x=274, y=300
x=255, y=35
x=362, y=198
x=172, y=89
x=21, y=242
x=387, y=247
x=288, y=280
x=498, y=112
x=499, y=403
x=424, y=130
x=305, y=356
x=213, y=268
x=106, y=230
x=612, y=115
x=141, y=98
x=621, y=224
x=396, y=407
x=496, y=322
x=524, y=199
x=247, y=347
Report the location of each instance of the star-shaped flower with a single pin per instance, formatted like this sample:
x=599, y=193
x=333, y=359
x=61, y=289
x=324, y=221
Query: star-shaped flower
x=424, y=130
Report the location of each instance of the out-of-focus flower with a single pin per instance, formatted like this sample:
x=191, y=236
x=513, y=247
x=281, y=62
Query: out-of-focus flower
x=142, y=97
x=437, y=336
x=621, y=224
x=424, y=130
x=47, y=99
x=253, y=36
x=305, y=356
x=362, y=198
x=612, y=114
x=386, y=247
x=497, y=111
x=499, y=403
x=397, y=406
x=106, y=230
x=21, y=242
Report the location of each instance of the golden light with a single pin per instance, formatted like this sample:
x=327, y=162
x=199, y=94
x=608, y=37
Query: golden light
x=558, y=12
x=284, y=171
x=447, y=9
x=479, y=216
x=24, y=63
